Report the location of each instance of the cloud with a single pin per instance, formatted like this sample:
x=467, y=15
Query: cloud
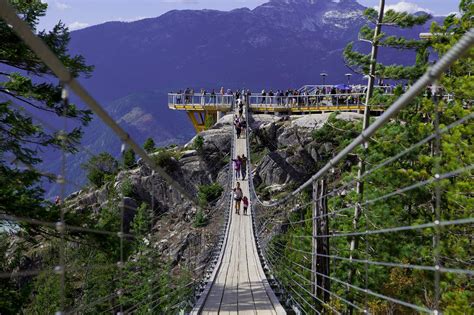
x=77, y=26
x=404, y=6
x=62, y=6
x=57, y=4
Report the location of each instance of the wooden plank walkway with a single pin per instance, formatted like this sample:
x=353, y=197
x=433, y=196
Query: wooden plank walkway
x=240, y=286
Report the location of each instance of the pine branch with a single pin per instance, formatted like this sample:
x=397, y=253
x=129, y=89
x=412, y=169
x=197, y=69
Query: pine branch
x=26, y=101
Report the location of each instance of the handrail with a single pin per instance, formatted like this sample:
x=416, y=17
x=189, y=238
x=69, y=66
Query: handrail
x=210, y=282
x=274, y=101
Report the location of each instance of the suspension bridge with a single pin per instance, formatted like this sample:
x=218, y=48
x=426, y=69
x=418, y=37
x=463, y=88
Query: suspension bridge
x=253, y=271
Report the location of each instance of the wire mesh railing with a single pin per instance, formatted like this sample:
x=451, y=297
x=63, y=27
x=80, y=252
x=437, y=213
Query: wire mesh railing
x=218, y=251
x=403, y=246
x=94, y=252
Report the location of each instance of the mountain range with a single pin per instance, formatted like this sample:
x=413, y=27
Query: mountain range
x=280, y=44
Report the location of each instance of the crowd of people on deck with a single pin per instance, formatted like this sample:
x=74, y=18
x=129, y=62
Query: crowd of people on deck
x=327, y=95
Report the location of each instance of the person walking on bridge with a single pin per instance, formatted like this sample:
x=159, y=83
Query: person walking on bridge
x=245, y=201
x=237, y=165
x=237, y=197
x=238, y=126
x=243, y=166
x=222, y=92
x=213, y=97
x=264, y=95
x=203, y=97
x=241, y=107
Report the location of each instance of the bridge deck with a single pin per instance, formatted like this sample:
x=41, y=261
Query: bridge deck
x=241, y=286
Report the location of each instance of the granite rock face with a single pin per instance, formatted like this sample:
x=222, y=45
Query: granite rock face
x=293, y=155
x=173, y=233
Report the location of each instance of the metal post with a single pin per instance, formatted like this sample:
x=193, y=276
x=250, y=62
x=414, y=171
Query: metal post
x=324, y=262
x=365, y=125
x=373, y=64
x=320, y=264
x=437, y=197
x=314, y=241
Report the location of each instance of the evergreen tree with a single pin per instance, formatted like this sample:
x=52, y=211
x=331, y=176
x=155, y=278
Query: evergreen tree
x=413, y=207
x=360, y=62
x=100, y=168
x=149, y=145
x=129, y=160
x=27, y=85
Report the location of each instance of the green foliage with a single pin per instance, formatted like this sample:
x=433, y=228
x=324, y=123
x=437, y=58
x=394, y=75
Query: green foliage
x=100, y=168
x=337, y=131
x=209, y=193
x=412, y=207
x=360, y=62
x=149, y=145
x=26, y=86
x=210, y=121
x=166, y=159
x=142, y=221
x=129, y=160
x=257, y=154
x=200, y=219
x=92, y=277
x=48, y=294
x=127, y=188
x=395, y=18
x=198, y=143
x=13, y=294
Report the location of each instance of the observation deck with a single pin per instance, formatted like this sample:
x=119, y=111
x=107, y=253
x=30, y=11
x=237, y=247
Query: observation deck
x=206, y=107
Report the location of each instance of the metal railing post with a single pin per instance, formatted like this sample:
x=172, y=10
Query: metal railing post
x=365, y=125
x=314, y=241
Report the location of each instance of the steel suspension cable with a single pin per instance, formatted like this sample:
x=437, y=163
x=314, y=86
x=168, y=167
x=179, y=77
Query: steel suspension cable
x=23, y=30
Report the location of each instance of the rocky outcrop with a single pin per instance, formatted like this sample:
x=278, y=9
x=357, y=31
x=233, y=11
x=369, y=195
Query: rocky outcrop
x=288, y=154
x=293, y=153
x=173, y=233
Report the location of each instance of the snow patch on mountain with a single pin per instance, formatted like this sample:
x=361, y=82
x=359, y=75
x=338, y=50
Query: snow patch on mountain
x=341, y=19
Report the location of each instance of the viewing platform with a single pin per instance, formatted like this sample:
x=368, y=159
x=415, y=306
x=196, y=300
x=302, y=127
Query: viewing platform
x=207, y=107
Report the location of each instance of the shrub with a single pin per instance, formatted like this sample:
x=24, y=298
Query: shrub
x=141, y=221
x=165, y=159
x=198, y=143
x=101, y=168
x=209, y=193
x=127, y=188
x=129, y=159
x=149, y=145
x=210, y=121
x=200, y=219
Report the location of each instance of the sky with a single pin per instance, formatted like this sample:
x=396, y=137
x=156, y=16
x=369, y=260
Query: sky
x=78, y=14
